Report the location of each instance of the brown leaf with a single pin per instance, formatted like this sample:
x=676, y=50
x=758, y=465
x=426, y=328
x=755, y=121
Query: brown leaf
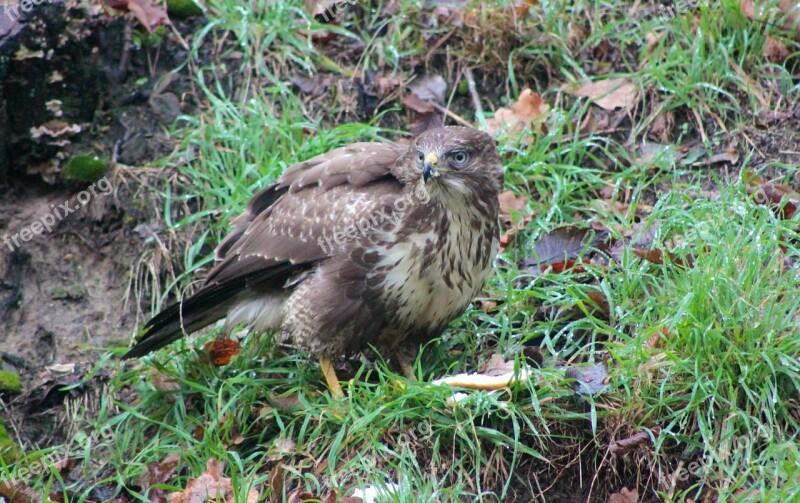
x=728, y=155
x=657, y=256
x=653, y=39
x=662, y=126
x=387, y=84
x=19, y=492
x=282, y=447
x=315, y=85
x=628, y=444
x=601, y=301
x=625, y=496
x=417, y=104
x=148, y=14
x=589, y=379
x=782, y=198
x=787, y=12
x=655, y=340
x=222, y=350
x=429, y=88
x=775, y=51
x=767, y=117
x=559, y=250
x=522, y=8
x=497, y=365
x=511, y=206
x=210, y=486
x=485, y=305
x=159, y=473
x=529, y=110
x=609, y=94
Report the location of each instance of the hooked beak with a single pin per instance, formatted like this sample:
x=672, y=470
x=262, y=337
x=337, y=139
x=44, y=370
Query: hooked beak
x=429, y=167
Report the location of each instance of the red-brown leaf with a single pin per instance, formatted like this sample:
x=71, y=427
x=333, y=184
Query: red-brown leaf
x=222, y=350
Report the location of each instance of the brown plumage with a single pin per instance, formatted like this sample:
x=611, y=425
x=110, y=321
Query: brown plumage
x=370, y=244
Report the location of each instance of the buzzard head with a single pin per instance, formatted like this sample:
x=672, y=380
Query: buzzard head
x=457, y=157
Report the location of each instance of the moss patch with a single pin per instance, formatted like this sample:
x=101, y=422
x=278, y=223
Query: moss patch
x=10, y=382
x=84, y=168
x=8, y=448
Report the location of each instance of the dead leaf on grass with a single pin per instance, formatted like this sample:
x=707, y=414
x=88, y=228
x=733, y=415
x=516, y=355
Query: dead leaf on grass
x=629, y=444
x=210, y=486
x=222, y=350
x=624, y=496
x=424, y=93
x=19, y=492
x=159, y=473
x=145, y=11
x=282, y=447
x=429, y=87
x=782, y=198
x=530, y=111
x=775, y=51
x=609, y=94
x=662, y=126
x=561, y=249
x=730, y=155
x=511, y=207
x=786, y=12
x=589, y=379
x=767, y=117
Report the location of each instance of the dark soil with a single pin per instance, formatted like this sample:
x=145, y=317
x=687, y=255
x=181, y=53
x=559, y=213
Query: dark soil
x=64, y=292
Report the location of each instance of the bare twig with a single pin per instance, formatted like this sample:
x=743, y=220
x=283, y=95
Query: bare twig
x=439, y=108
x=476, y=99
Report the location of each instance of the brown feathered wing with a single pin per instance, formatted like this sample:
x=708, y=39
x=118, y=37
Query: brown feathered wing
x=283, y=232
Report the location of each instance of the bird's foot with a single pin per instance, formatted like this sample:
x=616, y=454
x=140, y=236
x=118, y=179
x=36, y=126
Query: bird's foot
x=407, y=369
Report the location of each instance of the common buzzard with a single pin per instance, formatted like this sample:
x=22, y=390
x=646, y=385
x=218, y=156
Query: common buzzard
x=377, y=244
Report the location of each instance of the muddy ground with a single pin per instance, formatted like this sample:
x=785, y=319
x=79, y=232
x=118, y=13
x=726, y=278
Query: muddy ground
x=71, y=83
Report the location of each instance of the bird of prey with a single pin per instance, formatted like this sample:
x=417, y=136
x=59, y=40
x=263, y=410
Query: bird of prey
x=378, y=244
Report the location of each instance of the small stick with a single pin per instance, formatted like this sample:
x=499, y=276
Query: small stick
x=476, y=99
x=439, y=108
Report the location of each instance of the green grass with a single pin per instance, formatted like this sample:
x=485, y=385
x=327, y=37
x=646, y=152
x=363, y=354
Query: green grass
x=718, y=392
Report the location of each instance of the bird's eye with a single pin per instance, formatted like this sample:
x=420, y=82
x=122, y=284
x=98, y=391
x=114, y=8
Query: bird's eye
x=421, y=155
x=459, y=157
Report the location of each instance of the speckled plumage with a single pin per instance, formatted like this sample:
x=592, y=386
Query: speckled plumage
x=355, y=248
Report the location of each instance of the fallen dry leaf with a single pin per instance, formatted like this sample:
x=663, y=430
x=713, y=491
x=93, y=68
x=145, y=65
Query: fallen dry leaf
x=589, y=379
x=560, y=249
x=159, y=473
x=145, y=11
x=729, y=155
x=19, y=492
x=767, y=117
x=530, y=111
x=417, y=104
x=210, y=486
x=662, y=126
x=625, y=445
x=609, y=94
x=786, y=12
x=783, y=199
x=511, y=206
x=775, y=51
x=429, y=88
x=424, y=93
x=222, y=350
x=625, y=496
